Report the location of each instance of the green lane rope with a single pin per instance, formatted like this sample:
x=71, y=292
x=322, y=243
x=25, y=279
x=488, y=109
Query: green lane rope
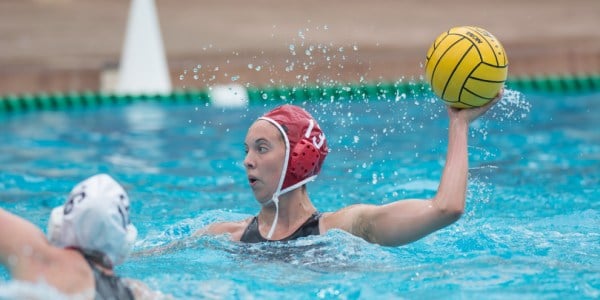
x=13, y=103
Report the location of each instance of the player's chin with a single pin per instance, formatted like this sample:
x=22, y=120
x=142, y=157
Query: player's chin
x=261, y=197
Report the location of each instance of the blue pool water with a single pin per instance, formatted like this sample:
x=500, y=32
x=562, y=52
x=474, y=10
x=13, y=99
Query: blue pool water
x=531, y=228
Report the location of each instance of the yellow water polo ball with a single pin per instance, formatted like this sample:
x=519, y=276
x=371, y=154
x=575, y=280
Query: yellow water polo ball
x=466, y=66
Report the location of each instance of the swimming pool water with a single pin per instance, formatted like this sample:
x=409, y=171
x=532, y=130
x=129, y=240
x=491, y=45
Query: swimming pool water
x=530, y=230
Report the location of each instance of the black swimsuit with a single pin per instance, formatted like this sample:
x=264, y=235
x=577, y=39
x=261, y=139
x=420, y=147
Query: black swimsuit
x=310, y=227
x=108, y=287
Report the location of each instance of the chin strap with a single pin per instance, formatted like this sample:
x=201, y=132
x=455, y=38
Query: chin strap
x=279, y=192
x=275, y=200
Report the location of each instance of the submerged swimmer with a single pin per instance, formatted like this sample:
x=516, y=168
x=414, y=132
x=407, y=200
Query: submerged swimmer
x=87, y=236
x=285, y=149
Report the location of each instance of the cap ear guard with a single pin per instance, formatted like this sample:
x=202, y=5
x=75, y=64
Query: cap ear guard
x=128, y=245
x=54, y=225
x=304, y=160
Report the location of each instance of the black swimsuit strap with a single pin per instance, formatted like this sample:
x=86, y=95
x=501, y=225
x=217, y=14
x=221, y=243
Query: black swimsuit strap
x=310, y=227
x=107, y=286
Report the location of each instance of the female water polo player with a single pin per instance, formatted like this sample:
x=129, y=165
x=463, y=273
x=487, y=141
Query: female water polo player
x=286, y=149
x=87, y=236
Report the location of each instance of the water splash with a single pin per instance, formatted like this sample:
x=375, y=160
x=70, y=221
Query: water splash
x=512, y=109
x=16, y=289
x=183, y=230
x=322, y=65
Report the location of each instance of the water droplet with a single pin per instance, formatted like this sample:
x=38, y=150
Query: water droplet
x=289, y=68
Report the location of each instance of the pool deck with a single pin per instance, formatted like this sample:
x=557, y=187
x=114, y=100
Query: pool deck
x=64, y=45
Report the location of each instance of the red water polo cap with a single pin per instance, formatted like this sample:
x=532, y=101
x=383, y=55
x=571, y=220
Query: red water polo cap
x=306, y=146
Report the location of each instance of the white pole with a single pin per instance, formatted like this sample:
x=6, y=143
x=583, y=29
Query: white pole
x=143, y=67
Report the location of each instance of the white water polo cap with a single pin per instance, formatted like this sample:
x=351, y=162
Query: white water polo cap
x=95, y=218
x=305, y=150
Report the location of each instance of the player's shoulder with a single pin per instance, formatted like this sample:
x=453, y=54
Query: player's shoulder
x=236, y=228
